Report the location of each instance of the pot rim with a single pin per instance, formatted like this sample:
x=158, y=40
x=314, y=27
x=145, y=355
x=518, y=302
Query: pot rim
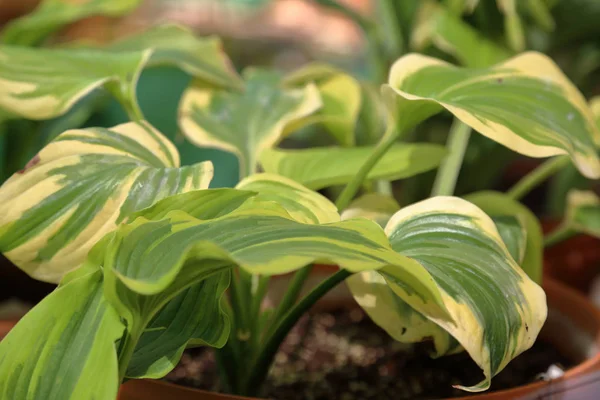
x=554, y=289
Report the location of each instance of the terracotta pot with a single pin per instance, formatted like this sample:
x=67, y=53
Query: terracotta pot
x=573, y=327
x=575, y=262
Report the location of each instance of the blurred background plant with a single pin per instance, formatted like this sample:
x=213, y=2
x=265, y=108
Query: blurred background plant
x=361, y=37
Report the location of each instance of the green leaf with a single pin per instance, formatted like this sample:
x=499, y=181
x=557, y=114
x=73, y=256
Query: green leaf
x=202, y=58
x=497, y=311
x=193, y=318
x=498, y=204
x=261, y=239
x=374, y=206
x=341, y=97
x=245, y=123
x=583, y=212
x=45, y=83
x=51, y=15
x=202, y=204
x=81, y=186
x=302, y=204
x=435, y=25
x=526, y=104
x=317, y=168
x=372, y=116
x=64, y=348
x=513, y=235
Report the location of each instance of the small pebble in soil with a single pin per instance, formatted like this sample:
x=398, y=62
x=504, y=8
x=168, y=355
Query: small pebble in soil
x=344, y=355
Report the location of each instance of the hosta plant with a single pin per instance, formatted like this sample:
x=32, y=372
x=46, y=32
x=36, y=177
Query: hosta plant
x=150, y=261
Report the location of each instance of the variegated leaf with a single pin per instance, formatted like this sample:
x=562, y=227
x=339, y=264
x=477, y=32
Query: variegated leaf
x=245, y=123
x=202, y=58
x=374, y=206
x=45, y=83
x=302, y=204
x=497, y=311
x=81, y=186
x=498, y=204
x=513, y=235
x=341, y=97
x=51, y=15
x=327, y=166
x=395, y=316
x=583, y=212
x=526, y=104
x=73, y=323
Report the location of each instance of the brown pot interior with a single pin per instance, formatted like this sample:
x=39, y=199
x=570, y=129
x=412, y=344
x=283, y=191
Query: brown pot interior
x=573, y=326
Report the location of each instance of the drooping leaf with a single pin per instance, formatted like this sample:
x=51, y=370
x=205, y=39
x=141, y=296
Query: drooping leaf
x=497, y=311
x=202, y=58
x=327, y=166
x=498, y=204
x=374, y=206
x=262, y=239
x=395, y=316
x=45, y=83
x=436, y=25
x=513, y=235
x=302, y=204
x=341, y=97
x=583, y=212
x=193, y=318
x=51, y=15
x=80, y=186
x=247, y=123
x=65, y=347
x=525, y=104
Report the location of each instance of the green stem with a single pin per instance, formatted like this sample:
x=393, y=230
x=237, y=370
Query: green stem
x=351, y=189
x=129, y=343
x=558, y=235
x=260, y=369
x=125, y=95
x=291, y=295
x=537, y=176
x=445, y=180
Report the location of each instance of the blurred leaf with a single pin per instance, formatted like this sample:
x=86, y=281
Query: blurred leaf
x=374, y=206
x=247, y=123
x=51, y=15
x=583, y=212
x=321, y=167
x=449, y=33
x=340, y=95
x=203, y=58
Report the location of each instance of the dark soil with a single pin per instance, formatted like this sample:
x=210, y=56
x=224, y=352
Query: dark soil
x=345, y=356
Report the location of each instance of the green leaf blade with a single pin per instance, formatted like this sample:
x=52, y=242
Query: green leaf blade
x=460, y=246
x=80, y=187
x=526, y=104
x=45, y=83
x=247, y=123
x=65, y=348
x=321, y=167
